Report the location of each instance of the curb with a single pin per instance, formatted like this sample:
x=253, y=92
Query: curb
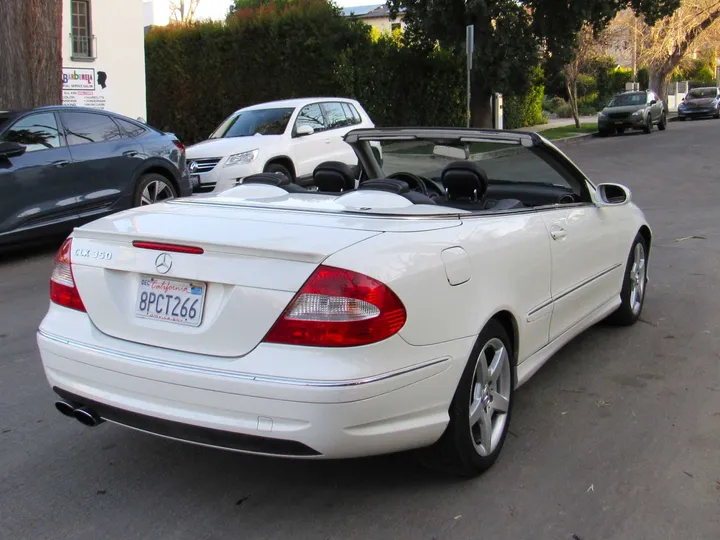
x=575, y=138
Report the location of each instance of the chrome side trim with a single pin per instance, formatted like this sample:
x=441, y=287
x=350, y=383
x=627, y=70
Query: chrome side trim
x=573, y=289
x=244, y=376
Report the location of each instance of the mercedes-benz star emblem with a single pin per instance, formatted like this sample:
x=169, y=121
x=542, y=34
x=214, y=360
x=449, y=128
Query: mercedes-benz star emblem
x=163, y=263
x=193, y=166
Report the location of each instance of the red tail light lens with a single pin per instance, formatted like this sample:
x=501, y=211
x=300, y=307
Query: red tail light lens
x=180, y=146
x=174, y=248
x=339, y=308
x=62, y=283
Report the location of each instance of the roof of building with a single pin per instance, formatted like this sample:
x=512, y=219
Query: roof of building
x=369, y=12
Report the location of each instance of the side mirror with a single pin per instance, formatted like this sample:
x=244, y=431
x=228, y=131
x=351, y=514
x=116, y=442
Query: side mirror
x=653, y=102
x=11, y=149
x=303, y=130
x=611, y=195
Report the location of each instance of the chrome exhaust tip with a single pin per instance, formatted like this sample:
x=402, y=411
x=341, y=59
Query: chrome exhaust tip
x=87, y=417
x=65, y=408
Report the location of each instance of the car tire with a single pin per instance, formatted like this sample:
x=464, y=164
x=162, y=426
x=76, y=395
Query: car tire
x=620, y=130
x=632, y=294
x=717, y=114
x=278, y=168
x=153, y=188
x=647, y=128
x=662, y=124
x=466, y=449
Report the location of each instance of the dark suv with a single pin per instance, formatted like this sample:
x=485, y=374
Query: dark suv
x=62, y=166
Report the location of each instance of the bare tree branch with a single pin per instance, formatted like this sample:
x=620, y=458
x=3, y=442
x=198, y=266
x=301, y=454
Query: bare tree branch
x=183, y=11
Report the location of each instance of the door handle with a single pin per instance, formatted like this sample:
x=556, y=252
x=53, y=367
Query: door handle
x=558, y=234
x=61, y=163
x=328, y=141
x=130, y=153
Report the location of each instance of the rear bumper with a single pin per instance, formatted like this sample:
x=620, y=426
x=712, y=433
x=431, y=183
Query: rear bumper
x=310, y=418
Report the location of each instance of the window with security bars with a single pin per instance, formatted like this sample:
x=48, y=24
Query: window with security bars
x=80, y=25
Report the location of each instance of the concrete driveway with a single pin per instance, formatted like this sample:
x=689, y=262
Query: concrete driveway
x=618, y=437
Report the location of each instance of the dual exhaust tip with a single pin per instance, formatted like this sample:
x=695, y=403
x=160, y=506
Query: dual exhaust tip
x=84, y=415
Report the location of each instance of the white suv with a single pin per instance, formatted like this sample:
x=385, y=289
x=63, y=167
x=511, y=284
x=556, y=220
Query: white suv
x=291, y=137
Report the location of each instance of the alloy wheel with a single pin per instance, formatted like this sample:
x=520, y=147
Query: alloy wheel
x=637, y=278
x=156, y=191
x=490, y=397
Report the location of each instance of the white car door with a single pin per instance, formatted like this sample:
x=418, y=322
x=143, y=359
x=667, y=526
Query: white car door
x=309, y=150
x=587, y=262
x=340, y=119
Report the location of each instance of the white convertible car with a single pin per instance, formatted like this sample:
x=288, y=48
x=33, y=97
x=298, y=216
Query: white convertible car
x=398, y=310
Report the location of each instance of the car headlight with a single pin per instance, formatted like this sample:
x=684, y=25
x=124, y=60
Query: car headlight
x=602, y=114
x=638, y=114
x=242, y=158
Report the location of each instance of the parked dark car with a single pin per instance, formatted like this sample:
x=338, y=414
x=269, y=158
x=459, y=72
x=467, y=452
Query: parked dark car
x=63, y=166
x=700, y=102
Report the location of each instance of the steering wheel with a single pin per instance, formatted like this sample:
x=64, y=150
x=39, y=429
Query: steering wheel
x=415, y=182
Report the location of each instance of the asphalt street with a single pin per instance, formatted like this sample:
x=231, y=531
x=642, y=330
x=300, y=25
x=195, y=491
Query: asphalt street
x=617, y=437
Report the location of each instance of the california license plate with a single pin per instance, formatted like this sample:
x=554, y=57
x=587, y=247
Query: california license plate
x=170, y=300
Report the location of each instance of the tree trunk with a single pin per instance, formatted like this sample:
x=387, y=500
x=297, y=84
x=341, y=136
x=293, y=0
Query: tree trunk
x=481, y=110
x=659, y=81
x=31, y=57
x=571, y=86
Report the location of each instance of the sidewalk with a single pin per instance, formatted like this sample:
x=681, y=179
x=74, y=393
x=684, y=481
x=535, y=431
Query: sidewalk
x=560, y=122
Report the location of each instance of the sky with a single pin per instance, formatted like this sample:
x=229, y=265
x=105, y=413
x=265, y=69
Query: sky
x=216, y=9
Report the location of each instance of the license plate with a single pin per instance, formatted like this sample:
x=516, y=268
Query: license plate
x=194, y=180
x=170, y=300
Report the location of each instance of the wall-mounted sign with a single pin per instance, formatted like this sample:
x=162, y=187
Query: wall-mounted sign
x=78, y=79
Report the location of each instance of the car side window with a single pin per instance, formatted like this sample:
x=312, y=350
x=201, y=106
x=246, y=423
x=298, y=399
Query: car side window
x=311, y=115
x=335, y=115
x=86, y=128
x=352, y=115
x=36, y=132
x=133, y=130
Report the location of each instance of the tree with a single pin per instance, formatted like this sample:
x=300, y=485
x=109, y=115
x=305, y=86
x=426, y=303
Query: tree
x=31, y=58
x=664, y=46
x=183, y=11
x=510, y=35
x=588, y=47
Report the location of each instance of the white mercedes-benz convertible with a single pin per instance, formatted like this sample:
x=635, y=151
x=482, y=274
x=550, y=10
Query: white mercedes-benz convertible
x=397, y=307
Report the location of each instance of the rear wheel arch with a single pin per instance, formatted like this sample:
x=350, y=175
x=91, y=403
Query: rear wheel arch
x=509, y=323
x=157, y=169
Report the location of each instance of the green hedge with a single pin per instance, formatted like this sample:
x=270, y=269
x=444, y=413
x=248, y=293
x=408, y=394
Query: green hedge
x=526, y=110
x=199, y=74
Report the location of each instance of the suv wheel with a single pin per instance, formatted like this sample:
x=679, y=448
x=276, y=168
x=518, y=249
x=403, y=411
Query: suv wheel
x=277, y=168
x=153, y=188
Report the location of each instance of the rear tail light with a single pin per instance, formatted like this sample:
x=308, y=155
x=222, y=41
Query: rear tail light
x=339, y=308
x=62, y=283
x=180, y=146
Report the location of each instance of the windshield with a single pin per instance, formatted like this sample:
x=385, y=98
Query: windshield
x=503, y=162
x=703, y=93
x=254, y=122
x=624, y=100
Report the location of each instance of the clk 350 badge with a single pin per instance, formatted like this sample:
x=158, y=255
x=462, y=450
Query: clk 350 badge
x=92, y=254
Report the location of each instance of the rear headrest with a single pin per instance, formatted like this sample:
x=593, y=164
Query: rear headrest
x=464, y=180
x=274, y=179
x=333, y=177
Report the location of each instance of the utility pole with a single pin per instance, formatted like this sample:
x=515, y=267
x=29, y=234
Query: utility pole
x=469, y=50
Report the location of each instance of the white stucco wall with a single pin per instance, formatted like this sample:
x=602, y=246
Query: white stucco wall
x=384, y=24
x=119, y=48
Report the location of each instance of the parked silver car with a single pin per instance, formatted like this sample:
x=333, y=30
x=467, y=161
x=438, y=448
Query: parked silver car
x=633, y=110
